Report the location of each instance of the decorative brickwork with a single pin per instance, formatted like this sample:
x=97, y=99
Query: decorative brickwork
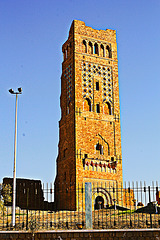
x=89, y=129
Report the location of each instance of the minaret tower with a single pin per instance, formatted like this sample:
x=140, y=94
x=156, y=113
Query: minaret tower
x=89, y=129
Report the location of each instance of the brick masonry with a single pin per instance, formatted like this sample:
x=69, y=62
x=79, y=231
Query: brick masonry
x=139, y=234
x=89, y=128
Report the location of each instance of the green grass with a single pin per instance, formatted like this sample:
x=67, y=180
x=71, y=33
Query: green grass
x=124, y=212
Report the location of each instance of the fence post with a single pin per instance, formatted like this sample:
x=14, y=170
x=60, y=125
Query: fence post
x=88, y=204
x=149, y=191
x=27, y=209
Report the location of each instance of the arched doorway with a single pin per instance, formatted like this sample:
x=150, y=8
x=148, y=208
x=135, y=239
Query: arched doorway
x=101, y=198
x=99, y=203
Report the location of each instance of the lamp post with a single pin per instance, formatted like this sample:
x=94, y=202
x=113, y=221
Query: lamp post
x=14, y=166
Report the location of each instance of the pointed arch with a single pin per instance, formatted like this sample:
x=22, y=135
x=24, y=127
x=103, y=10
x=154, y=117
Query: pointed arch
x=90, y=48
x=107, y=198
x=107, y=108
x=102, y=51
x=87, y=105
x=108, y=52
x=96, y=49
x=84, y=47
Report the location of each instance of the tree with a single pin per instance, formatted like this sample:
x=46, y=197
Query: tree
x=5, y=195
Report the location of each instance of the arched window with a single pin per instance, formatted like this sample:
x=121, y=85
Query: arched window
x=96, y=48
x=108, y=52
x=99, y=148
x=84, y=46
x=90, y=48
x=102, y=51
x=87, y=105
x=107, y=108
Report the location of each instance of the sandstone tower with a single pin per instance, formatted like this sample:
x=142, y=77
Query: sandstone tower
x=89, y=129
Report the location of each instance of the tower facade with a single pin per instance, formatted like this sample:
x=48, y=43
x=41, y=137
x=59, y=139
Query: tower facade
x=89, y=129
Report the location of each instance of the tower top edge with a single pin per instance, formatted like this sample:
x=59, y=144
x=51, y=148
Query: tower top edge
x=79, y=27
x=79, y=23
x=82, y=24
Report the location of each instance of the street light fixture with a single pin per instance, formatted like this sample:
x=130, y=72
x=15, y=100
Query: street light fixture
x=14, y=168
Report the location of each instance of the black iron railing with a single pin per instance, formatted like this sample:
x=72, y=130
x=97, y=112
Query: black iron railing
x=45, y=206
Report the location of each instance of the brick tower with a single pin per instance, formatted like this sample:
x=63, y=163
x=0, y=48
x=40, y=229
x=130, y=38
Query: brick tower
x=89, y=129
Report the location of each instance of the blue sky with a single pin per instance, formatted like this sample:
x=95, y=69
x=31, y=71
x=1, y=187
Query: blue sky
x=31, y=35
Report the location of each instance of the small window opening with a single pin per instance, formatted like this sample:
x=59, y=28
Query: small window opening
x=63, y=55
x=97, y=86
x=66, y=52
x=99, y=148
x=112, y=159
x=109, y=54
x=87, y=105
x=102, y=53
x=107, y=108
x=90, y=48
x=69, y=107
x=96, y=48
x=65, y=152
x=67, y=110
x=85, y=46
x=98, y=108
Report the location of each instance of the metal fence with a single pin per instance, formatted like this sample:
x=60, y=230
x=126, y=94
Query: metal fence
x=131, y=205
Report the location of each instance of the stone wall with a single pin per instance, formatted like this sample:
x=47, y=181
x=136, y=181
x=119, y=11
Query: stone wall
x=132, y=234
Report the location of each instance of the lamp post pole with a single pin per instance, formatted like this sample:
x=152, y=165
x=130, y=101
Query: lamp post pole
x=14, y=166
